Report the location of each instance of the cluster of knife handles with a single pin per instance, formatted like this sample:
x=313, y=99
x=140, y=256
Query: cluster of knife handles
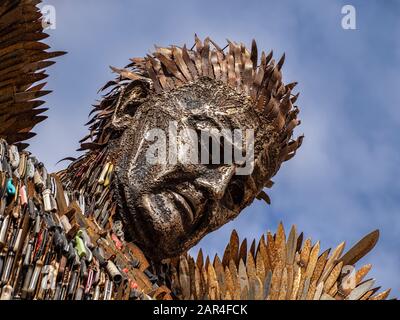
x=42, y=256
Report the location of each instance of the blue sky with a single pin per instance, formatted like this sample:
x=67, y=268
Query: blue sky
x=344, y=181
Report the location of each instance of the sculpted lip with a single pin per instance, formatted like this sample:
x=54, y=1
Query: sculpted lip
x=182, y=203
x=171, y=202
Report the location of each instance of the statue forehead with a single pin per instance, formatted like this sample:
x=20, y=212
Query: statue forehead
x=203, y=98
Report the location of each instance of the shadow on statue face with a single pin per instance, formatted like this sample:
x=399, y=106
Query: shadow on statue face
x=169, y=202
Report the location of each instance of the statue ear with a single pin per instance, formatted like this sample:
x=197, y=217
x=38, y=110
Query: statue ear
x=130, y=98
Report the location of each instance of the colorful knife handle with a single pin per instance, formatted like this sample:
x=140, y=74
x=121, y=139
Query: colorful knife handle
x=10, y=188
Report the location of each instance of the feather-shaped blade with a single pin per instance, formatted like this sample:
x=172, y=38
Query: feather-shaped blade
x=361, y=248
x=280, y=242
x=177, y=53
x=200, y=259
x=332, y=261
x=254, y=54
x=381, y=296
x=243, y=278
x=362, y=272
x=360, y=290
x=312, y=260
x=184, y=277
x=333, y=276
x=319, y=267
x=251, y=266
x=191, y=66
x=243, y=251
x=291, y=245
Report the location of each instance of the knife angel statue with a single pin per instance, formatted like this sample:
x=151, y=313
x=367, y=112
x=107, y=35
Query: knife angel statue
x=114, y=225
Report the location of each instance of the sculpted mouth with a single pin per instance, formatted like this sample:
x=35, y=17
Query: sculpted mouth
x=175, y=208
x=185, y=206
x=177, y=214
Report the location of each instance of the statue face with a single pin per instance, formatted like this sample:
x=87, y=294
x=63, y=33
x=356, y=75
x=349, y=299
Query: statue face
x=151, y=124
x=170, y=205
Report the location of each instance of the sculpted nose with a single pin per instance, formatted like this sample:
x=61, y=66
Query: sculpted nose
x=216, y=181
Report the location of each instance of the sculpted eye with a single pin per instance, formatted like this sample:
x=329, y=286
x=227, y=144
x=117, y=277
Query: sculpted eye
x=187, y=103
x=206, y=150
x=131, y=107
x=191, y=104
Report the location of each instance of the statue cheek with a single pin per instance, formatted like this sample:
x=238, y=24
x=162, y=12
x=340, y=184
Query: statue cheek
x=219, y=216
x=215, y=181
